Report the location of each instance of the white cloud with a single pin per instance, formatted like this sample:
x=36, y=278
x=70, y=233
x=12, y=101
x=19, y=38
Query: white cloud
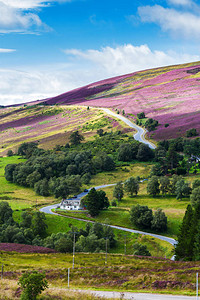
x=176, y=22
x=21, y=15
x=181, y=2
x=3, y=50
x=129, y=58
x=85, y=67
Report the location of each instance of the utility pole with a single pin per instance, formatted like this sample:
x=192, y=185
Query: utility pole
x=106, y=251
x=74, y=233
x=197, y=285
x=125, y=244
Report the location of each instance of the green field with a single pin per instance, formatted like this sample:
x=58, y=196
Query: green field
x=93, y=271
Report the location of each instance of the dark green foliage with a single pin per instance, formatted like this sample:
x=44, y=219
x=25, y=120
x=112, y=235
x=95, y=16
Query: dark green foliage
x=166, y=125
x=151, y=124
x=114, y=203
x=145, y=153
x=141, y=115
x=26, y=219
x=10, y=153
x=195, y=197
x=9, y=169
x=128, y=151
x=131, y=186
x=95, y=201
x=5, y=213
x=27, y=149
x=139, y=249
x=141, y=216
x=64, y=245
x=153, y=186
x=159, y=222
x=184, y=248
x=164, y=185
x=182, y=189
x=195, y=184
x=118, y=191
x=38, y=224
x=191, y=132
x=100, y=132
x=32, y=284
x=76, y=138
x=42, y=187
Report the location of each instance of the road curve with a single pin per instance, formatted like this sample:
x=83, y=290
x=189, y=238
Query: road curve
x=140, y=134
x=48, y=210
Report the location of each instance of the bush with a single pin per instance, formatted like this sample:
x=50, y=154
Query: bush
x=32, y=284
x=140, y=249
x=191, y=132
x=141, y=216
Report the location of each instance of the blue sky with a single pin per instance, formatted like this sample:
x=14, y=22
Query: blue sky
x=49, y=47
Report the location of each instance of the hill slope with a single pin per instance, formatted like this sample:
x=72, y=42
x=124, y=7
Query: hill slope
x=168, y=94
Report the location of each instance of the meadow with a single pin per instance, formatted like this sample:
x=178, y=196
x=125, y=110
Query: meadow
x=94, y=271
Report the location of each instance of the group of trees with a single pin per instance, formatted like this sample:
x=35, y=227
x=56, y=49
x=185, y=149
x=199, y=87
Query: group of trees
x=131, y=186
x=60, y=174
x=143, y=217
x=135, y=150
x=31, y=227
x=176, y=186
x=176, y=156
x=32, y=230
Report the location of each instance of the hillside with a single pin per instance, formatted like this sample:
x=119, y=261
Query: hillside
x=168, y=94
x=51, y=125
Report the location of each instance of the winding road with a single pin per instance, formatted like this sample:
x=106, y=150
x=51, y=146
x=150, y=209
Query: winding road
x=139, y=136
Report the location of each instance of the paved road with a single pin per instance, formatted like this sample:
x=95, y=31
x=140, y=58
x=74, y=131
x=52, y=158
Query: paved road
x=140, y=135
x=48, y=210
x=135, y=296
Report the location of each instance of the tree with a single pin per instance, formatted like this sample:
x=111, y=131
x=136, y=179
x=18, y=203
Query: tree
x=5, y=212
x=9, y=169
x=38, y=224
x=196, y=184
x=26, y=219
x=32, y=284
x=131, y=186
x=145, y=153
x=76, y=138
x=195, y=197
x=141, y=216
x=41, y=187
x=100, y=132
x=153, y=186
x=128, y=151
x=10, y=153
x=184, y=247
x=64, y=245
x=151, y=124
x=118, y=191
x=191, y=132
x=164, y=185
x=141, y=115
x=159, y=222
x=182, y=189
x=175, y=179
x=95, y=201
x=139, y=249
x=171, y=156
x=27, y=149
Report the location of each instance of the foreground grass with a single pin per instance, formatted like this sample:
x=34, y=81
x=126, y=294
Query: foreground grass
x=122, y=273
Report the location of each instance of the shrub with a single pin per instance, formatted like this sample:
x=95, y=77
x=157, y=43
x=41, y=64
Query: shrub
x=32, y=283
x=191, y=132
x=140, y=249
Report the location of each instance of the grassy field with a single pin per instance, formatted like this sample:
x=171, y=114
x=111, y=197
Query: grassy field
x=17, y=196
x=121, y=272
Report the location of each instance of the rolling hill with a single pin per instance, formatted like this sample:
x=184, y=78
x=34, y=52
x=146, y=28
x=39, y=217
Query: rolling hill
x=168, y=94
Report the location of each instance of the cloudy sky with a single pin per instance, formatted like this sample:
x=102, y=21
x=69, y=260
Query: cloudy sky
x=49, y=47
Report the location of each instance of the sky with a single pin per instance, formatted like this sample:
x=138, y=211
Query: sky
x=50, y=47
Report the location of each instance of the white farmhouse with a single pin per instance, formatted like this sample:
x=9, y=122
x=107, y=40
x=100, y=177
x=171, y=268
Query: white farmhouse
x=71, y=204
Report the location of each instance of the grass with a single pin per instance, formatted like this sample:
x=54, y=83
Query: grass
x=18, y=197
x=120, y=273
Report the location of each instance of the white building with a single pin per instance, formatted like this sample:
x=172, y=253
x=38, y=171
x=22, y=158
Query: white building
x=71, y=204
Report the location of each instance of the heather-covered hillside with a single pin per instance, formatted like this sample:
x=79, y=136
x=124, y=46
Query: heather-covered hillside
x=168, y=94
x=50, y=125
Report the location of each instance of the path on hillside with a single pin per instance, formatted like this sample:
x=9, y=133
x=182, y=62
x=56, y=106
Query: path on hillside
x=139, y=135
